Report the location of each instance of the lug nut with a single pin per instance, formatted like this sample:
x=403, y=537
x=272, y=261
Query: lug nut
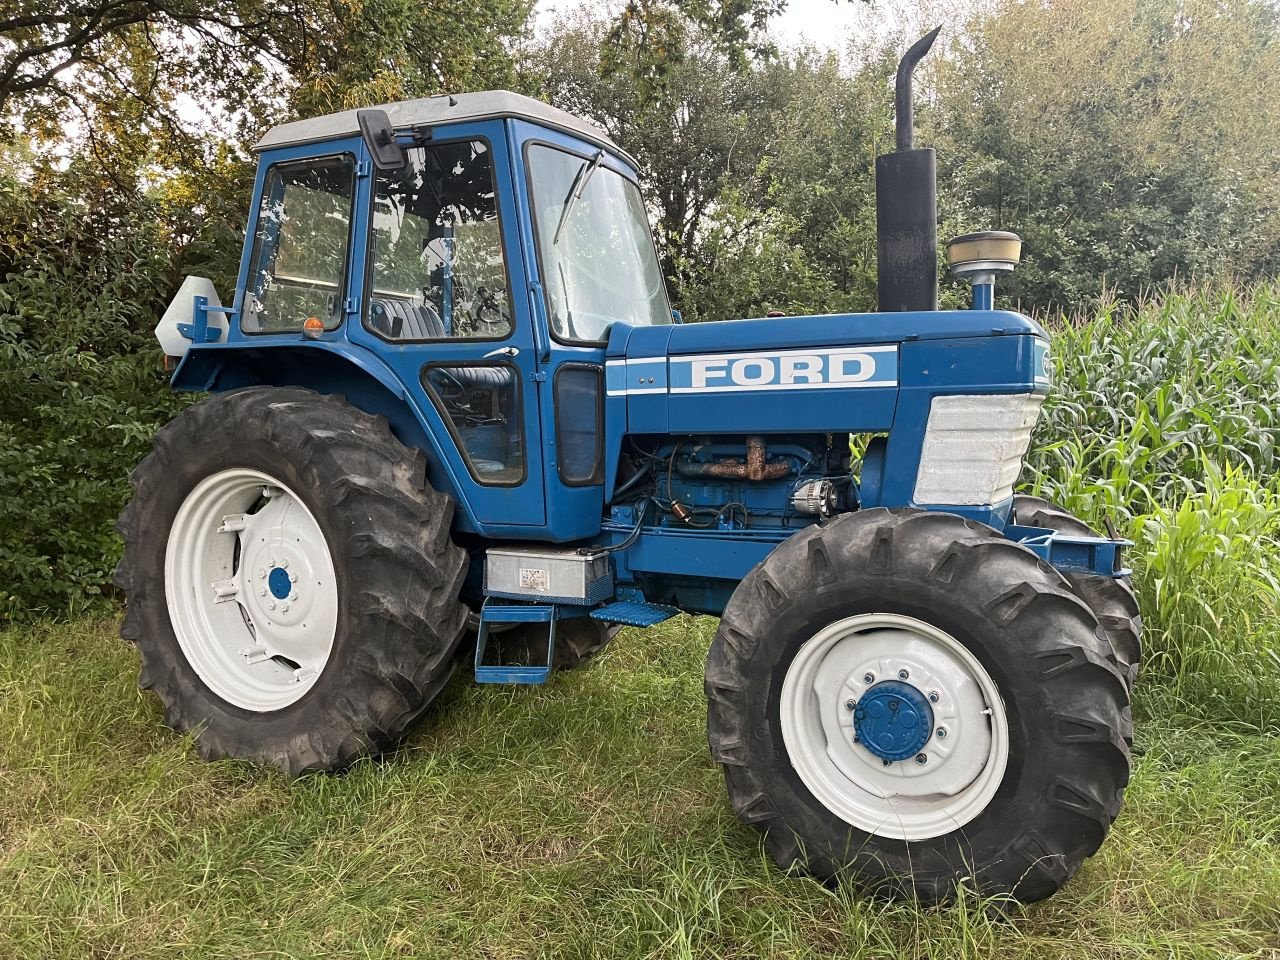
x=933, y=696
x=293, y=596
x=942, y=733
x=284, y=563
x=868, y=677
x=885, y=762
x=921, y=759
x=262, y=572
x=903, y=674
x=849, y=704
x=293, y=578
x=262, y=591
x=284, y=607
x=271, y=604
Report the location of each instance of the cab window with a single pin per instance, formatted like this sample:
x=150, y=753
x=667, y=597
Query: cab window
x=437, y=268
x=300, y=245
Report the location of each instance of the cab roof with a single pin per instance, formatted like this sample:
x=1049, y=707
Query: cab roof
x=429, y=111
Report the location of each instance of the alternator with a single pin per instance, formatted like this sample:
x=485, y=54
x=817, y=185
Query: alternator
x=814, y=497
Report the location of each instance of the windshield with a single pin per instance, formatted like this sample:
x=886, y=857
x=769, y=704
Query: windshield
x=597, y=257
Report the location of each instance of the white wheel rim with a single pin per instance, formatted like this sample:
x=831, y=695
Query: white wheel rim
x=905, y=799
x=251, y=589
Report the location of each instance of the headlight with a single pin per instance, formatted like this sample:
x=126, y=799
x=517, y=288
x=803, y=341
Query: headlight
x=973, y=448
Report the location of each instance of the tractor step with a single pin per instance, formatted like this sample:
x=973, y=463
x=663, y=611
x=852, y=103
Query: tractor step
x=515, y=613
x=634, y=613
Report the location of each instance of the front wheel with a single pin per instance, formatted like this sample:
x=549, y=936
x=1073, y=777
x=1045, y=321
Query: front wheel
x=911, y=701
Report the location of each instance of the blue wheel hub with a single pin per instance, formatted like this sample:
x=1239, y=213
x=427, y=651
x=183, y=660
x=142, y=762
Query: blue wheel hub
x=278, y=583
x=893, y=720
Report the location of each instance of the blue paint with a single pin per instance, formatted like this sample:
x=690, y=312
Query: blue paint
x=634, y=613
x=893, y=720
x=279, y=583
x=1073, y=554
x=984, y=296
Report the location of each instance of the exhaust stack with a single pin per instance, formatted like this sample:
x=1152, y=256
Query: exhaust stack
x=907, y=206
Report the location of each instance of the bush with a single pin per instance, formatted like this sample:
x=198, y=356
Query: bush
x=81, y=387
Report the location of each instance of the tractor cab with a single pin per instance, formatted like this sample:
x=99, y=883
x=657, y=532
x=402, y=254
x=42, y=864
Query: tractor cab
x=469, y=255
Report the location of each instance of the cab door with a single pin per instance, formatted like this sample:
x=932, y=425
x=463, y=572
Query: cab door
x=444, y=301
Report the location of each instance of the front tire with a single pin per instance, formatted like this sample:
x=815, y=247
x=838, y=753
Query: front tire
x=290, y=580
x=1011, y=802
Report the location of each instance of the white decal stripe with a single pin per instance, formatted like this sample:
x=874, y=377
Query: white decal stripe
x=735, y=388
x=632, y=393
x=764, y=353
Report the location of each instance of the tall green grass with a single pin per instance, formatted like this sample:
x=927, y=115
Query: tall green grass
x=1165, y=417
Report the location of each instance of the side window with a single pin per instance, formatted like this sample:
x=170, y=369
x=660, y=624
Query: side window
x=300, y=244
x=437, y=270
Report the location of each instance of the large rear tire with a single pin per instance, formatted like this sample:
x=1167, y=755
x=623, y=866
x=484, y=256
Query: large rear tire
x=884, y=617
x=292, y=587
x=1110, y=598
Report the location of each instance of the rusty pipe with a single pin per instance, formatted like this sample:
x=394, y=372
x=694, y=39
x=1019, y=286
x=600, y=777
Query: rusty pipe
x=755, y=467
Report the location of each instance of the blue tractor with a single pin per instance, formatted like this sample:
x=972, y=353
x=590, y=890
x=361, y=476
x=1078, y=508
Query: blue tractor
x=451, y=413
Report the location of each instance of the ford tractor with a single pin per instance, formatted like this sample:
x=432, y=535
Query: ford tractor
x=451, y=415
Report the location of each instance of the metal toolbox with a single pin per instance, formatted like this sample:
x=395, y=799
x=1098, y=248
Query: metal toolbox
x=555, y=576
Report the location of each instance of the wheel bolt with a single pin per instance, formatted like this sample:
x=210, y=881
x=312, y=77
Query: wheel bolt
x=271, y=604
x=868, y=677
x=903, y=674
x=885, y=762
x=921, y=759
x=293, y=578
x=933, y=696
x=293, y=596
x=284, y=563
x=849, y=704
x=942, y=733
x=262, y=592
x=262, y=572
x=284, y=607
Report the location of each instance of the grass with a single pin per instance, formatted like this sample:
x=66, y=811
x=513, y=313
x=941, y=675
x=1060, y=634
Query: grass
x=584, y=819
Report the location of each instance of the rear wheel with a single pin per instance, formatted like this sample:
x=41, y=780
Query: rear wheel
x=1110, y=598
x=291, y=584
x=911, y=701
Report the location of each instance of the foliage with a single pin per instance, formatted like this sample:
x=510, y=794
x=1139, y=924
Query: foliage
x=132, y=64
x=1148, y=399
x=1128, y=141
x=1163, y=417
x=81, y=389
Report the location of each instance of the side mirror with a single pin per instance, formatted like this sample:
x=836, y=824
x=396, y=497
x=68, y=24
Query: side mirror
x=380, y=139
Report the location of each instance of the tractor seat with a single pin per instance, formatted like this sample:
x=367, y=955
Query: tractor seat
x=404, y=320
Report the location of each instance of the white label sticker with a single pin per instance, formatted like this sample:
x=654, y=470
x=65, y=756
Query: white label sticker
x=532, y=578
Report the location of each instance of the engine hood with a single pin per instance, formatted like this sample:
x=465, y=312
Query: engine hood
x=837, y=372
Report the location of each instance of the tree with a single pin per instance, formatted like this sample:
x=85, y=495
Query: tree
x=1129, y=141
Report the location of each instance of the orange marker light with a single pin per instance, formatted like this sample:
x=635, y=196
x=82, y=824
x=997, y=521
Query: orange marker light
x=312, y=327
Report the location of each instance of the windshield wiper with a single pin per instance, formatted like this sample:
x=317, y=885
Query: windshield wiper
x=576, y=188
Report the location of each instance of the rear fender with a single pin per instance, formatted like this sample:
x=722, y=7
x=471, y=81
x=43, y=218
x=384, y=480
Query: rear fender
x=365, y=381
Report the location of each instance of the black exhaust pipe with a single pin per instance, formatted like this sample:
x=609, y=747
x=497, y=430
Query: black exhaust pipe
x=907, y=207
